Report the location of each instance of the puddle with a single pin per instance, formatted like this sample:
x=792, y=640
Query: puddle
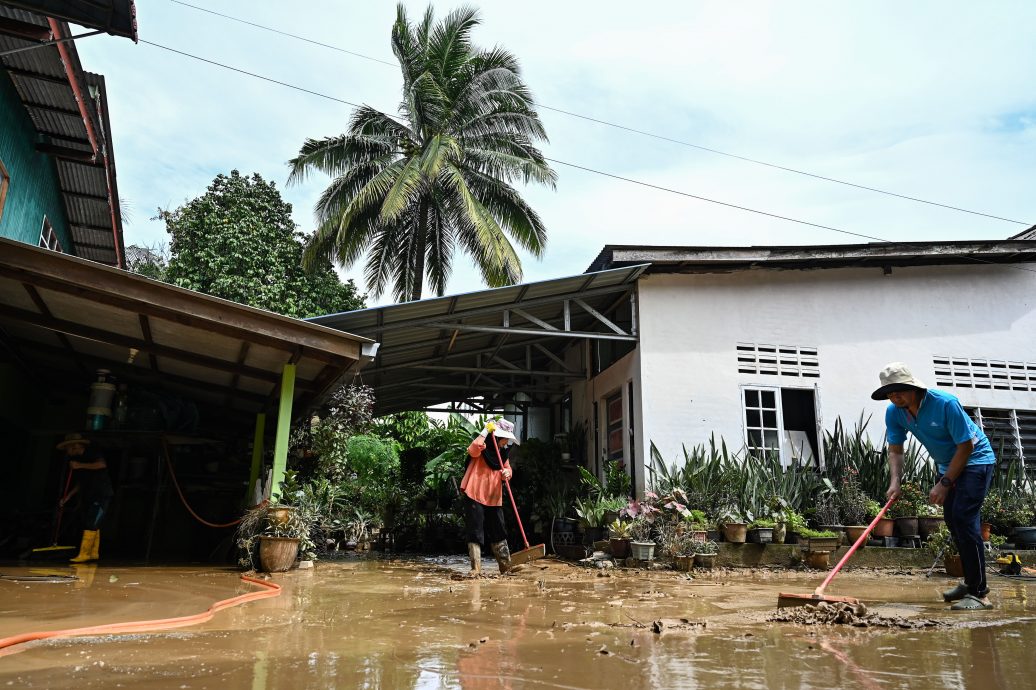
x=409, y=624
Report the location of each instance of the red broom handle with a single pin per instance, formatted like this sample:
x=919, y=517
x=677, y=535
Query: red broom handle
x=510, y=495
x=863, y=537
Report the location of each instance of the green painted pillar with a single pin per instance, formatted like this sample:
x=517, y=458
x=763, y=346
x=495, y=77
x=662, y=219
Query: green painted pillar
x=257, y=454
x=280, y=448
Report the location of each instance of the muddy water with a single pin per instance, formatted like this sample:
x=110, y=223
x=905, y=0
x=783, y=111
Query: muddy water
x=407, y=624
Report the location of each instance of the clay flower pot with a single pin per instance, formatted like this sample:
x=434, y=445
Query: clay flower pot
x=927, y=526
x=818, y=559
x=705, y=560
x=987, y=529
x=277, y=554
x=735, y=532
x=780, y=531
x=854, y=532
x=620, y=548
x=884, y=528
x=953, y=566
x=684, y=563
x=906, y=527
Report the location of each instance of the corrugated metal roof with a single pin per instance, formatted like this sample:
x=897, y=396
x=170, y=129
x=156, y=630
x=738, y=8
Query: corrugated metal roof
x=431, y=350
x=40, y=79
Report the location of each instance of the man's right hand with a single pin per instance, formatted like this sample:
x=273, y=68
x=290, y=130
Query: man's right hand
x=893, y=492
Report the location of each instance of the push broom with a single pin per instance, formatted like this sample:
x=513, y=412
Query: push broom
x=529, y=553
x=784, y=599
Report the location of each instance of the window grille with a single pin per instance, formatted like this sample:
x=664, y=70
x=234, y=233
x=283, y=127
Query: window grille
x=986, y=374
x=1011, y=433
x=778, y=360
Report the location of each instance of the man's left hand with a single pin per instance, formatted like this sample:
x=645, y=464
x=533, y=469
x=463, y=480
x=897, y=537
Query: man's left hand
x=937, y=496
x=507, y=473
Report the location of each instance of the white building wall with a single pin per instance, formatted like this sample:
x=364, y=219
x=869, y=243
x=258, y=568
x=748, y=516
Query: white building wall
x=859, y=319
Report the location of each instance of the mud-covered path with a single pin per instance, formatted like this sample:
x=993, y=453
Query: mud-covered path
x=410, y=624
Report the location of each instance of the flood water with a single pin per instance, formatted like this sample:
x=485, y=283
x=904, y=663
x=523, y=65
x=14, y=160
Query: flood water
x=408, y=624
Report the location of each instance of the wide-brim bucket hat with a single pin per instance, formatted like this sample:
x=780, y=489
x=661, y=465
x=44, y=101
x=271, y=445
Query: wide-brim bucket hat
x=501, y=428
x=72, y=440
x=896, y=377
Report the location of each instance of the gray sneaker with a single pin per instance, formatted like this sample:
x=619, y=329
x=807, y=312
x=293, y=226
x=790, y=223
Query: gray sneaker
x=955, y=594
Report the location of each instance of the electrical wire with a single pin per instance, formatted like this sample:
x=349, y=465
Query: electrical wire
x=577, y=166
x=634, y=130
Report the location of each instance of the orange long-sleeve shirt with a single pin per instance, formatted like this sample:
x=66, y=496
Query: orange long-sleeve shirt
x=481, y=482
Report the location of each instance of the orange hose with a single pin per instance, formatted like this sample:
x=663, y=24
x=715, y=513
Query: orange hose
x=183, y=499
x=8, y=645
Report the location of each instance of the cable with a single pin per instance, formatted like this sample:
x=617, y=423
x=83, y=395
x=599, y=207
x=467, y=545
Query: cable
x=634, y=130
x=183, y=499
x=580, y=167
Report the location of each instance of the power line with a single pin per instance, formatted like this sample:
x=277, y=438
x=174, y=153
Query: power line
x=640, y=132
x=573, y=165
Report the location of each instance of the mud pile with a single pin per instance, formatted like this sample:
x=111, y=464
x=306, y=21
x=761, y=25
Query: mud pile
x=826, y=613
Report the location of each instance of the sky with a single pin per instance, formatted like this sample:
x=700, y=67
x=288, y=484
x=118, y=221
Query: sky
x=927, y=99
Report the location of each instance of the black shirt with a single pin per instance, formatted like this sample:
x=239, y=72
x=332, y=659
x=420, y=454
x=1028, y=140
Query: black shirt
x=94, y=485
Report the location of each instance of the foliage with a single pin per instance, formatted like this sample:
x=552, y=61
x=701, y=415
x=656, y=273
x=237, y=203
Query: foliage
x=238, y=241
x=256, y=522
x=616, y=480
x=408, y=429
x=940, y=542
x=817, y=533
x=641, y=528
x=796, y=522
x=407, y=189
x=591, y=510
x=451, y=445
x=911, y=502
x=853, y=503
x=620, y=529
x=148, y=261
x=762, y=523
x=1006, y=510
x=349, y=411
x=696, y=520
x=705, y=548
x=873, y=508
x=825, y=510
x=674, y=541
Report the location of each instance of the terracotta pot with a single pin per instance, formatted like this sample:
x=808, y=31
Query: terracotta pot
x=818, y=559
x=953, y=566
x=780, y=532
x=854, y=532
x=735, y=532
x=705, y=560
x=884, y=528
x=620, y=548
x=277, y=554
x=279, y=515
x=906, y=527
x=684, y=563
x=986, y=529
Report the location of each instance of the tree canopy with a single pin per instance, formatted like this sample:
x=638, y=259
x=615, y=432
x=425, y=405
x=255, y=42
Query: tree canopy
x=408, y=189
x=238, y=241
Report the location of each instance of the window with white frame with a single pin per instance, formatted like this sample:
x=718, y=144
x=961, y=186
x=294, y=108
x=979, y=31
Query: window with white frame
x=1011, y=433
x=782, y=421
x=778, y=360
x=49, y=238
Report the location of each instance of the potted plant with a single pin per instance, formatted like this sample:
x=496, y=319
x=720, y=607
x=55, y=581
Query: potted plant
x=696, y=524
x=904, y=510
x=793, y=522
x=279, y=536
x=853, y=506
x=591, y=513
x=929, y=519
x=734, y=526
x=619, y=538
x=819, y=540
x=886, y=526
x=940, y=542
x=641, y=544
x=705, y=554
x=825, y=513
x=760, y=531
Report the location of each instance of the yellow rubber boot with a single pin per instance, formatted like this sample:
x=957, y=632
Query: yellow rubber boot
x=88, y=547
x=95, y=547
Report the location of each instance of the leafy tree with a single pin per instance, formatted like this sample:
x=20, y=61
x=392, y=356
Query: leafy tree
x=408, y=189
x=151, y=262
x=238, y=241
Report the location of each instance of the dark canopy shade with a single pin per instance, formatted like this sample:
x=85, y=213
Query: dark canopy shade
x=115, y=17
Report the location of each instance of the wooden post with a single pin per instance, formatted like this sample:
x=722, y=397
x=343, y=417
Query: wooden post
x=257, y=455
x=280, y=448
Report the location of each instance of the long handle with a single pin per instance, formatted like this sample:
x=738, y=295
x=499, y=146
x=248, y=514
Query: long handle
x=510, y=495
x=61, y=506
x=863, y=537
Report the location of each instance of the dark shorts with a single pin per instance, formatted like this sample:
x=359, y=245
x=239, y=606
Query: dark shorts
x=484, y=524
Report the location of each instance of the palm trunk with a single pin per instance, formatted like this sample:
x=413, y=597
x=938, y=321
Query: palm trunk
x=422, y=234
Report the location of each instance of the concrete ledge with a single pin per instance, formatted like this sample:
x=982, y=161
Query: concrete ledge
x=753, y=555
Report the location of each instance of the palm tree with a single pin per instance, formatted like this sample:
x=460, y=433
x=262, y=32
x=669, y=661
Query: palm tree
x=408, y=189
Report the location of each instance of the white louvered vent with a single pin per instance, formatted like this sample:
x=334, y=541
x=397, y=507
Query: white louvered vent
x=989, y=374
x=778, y=360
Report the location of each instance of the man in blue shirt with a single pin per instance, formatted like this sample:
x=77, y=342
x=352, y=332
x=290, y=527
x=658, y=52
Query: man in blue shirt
x=965, y=462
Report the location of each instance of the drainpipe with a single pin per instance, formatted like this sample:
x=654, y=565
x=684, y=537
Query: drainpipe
x=77, y=90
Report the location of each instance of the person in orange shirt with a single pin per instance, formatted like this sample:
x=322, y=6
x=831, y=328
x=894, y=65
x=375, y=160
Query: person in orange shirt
x=483, y=491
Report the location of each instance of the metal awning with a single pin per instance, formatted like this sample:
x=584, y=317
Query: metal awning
x=481, y=348
x=62, y=317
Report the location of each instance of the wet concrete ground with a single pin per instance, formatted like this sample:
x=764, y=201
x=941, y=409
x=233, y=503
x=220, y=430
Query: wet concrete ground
x=408, y=624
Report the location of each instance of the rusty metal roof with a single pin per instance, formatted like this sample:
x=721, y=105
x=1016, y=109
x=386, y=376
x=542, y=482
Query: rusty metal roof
x=92, y=210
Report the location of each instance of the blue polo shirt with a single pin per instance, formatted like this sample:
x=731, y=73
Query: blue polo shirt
x=941, y=424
